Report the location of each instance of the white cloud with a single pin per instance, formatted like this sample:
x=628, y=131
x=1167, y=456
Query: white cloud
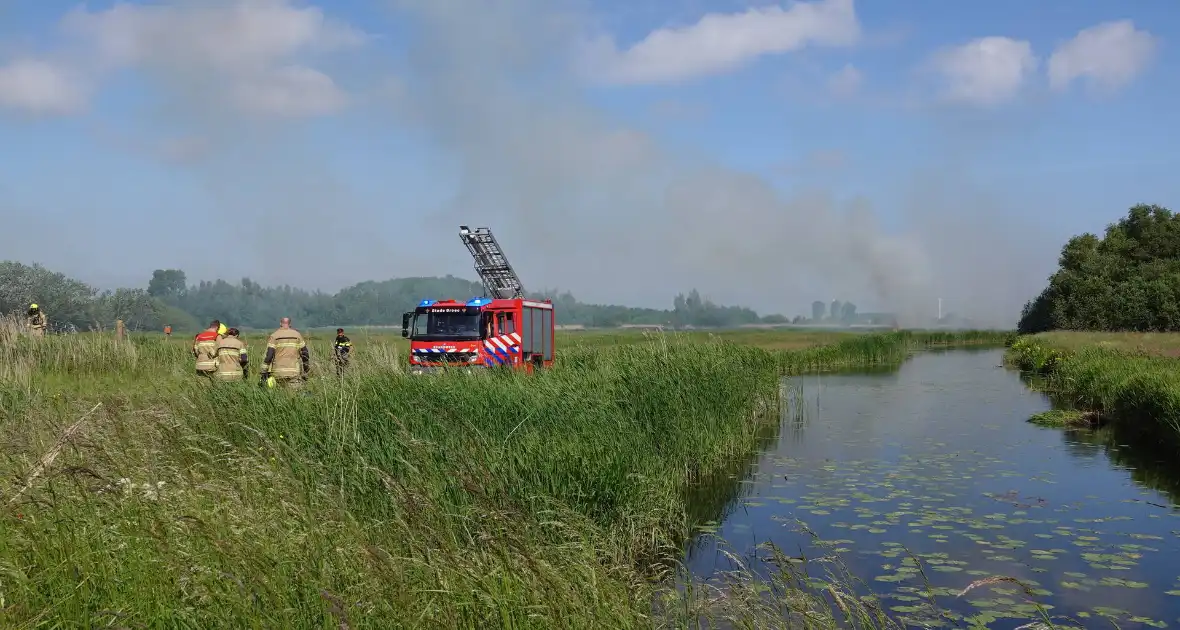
x=721, y=42
x=243, y=36
x=290, y=91
x=985, y=71
x=1110, y=55
x=846, y=82
x=39, y=87
x=248, y=54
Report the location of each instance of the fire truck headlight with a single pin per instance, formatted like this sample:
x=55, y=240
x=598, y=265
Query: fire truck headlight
x=473, y=358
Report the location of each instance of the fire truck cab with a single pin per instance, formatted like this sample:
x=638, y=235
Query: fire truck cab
x=499, y=329
x=481, y=332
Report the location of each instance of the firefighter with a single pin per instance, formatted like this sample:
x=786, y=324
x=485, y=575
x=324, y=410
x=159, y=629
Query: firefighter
x=232, y=363
x=36, y=321
x=287, y=361
x=205, y=349
x=341, y=348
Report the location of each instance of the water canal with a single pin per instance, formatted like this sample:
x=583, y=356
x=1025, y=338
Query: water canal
x=937, y=459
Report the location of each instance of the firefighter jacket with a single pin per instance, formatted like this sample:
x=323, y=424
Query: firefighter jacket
x=232, y=363
x=285, y=352
x=38, y=321
x=342, y=346
x=205, y=350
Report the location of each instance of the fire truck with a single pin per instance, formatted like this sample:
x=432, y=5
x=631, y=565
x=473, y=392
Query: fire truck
x=499, y=328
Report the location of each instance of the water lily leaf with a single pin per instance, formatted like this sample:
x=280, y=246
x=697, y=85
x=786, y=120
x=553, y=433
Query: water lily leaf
x=1111, y=581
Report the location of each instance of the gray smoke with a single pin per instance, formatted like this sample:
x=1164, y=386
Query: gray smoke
x=588, y=203
x=579, y=200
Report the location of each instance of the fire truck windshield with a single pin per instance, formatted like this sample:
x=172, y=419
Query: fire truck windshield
x=441, y=326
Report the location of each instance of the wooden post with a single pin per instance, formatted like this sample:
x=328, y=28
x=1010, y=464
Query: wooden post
x=119, y=329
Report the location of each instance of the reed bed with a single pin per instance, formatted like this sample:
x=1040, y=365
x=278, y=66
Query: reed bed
x=137, y=495
x=1132, y=384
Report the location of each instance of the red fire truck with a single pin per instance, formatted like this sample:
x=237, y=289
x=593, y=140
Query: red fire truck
x=501, y=328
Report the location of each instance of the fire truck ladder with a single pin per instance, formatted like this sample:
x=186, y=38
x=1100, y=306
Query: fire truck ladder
x=499, y=280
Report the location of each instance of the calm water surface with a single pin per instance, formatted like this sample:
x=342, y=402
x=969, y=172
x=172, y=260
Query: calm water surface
x=937, y=458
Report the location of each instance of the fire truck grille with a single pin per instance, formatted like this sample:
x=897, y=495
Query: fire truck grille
x=444, y=357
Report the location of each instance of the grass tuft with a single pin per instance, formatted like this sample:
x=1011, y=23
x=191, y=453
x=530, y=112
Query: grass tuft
x=1066, y=418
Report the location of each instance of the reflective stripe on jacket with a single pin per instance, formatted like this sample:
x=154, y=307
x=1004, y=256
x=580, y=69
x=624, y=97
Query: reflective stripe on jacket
x=285, y=352
x=231, y=359
x=205, y=348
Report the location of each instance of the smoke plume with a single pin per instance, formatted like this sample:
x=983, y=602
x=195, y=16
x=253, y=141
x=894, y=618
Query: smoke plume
x=580, y=200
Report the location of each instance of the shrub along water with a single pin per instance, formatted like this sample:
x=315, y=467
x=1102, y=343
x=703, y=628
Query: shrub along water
x=463, y=500
x=1138, y=391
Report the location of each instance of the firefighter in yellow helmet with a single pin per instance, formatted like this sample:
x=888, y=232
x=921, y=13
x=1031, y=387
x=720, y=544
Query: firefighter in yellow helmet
x=232, y=362
x=222, y=330
x=287, y=360
x=205, y=349
x=36, y=321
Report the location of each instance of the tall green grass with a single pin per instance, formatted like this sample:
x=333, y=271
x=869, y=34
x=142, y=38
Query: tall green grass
x=485, y=499
x=1139, y=391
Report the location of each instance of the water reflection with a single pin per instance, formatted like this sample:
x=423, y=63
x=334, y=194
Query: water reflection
x=937, y=459
x=715, y=497
x=1150, y=464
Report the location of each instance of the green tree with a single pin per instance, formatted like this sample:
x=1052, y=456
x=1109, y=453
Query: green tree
x=167, y=284
x=137, y=309
x=1129, y=279
x=67, y=301
x=248, y=304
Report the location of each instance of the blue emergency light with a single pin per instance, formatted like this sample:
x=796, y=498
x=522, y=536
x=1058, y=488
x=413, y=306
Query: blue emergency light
x=477, y=301
x=426, y=302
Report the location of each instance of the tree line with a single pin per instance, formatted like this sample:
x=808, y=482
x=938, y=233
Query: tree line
x=1126, y=280
x=168, y=299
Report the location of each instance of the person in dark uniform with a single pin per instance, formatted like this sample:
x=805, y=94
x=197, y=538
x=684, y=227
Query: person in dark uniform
x=341, y=349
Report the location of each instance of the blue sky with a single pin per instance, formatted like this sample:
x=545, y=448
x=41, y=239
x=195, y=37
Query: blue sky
x=770, y=154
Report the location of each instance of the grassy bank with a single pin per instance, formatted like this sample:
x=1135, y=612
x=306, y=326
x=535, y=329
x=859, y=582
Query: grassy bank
x=1147, y=344
x=136, y=496
x=1126, y=379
